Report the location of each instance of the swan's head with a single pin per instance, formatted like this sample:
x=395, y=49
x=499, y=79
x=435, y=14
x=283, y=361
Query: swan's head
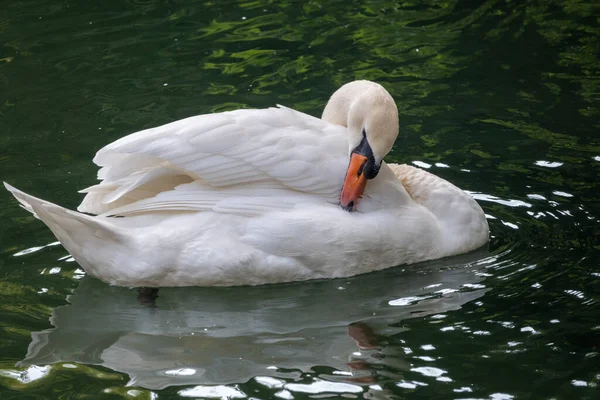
x=370, y=115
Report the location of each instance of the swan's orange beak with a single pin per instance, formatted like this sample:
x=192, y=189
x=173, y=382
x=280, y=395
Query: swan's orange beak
x=355, y=182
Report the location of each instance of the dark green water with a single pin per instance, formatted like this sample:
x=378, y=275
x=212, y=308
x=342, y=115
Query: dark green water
x=499, y=97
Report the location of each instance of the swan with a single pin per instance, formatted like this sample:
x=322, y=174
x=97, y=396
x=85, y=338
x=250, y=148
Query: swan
x=260, y=196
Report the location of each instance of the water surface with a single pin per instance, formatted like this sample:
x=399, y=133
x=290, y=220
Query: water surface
x=500, y=98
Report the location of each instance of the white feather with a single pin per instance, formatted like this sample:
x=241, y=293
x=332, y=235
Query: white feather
x=287, y=148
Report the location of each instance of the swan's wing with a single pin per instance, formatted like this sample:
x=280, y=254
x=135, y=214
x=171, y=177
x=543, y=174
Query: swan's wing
x=248, y=199
x=256, y=157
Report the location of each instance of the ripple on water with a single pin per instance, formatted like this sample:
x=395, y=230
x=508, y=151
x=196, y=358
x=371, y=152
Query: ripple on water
x=548, y=164
x=213, y=392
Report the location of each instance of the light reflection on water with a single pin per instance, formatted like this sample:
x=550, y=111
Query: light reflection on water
x=224, y=335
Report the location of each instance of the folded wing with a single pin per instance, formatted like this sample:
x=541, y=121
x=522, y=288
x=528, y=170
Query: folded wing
x=244, y=161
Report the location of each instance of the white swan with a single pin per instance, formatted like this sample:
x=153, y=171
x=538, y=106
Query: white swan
x=252, y=197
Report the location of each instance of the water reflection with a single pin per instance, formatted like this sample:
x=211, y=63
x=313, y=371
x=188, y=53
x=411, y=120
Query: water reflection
x=229, y=335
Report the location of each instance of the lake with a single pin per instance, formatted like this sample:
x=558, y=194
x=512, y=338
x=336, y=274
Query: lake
x=501, y=98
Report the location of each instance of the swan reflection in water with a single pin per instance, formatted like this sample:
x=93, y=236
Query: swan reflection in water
x=230, y=334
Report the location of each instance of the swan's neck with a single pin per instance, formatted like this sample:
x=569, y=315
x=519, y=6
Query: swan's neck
x=338, y=107
x=365, y=108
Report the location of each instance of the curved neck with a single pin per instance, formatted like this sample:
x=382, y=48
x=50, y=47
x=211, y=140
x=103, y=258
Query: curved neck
x=368, y=112
x=338, y=107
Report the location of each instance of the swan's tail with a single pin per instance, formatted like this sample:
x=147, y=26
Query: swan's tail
x=80, y=234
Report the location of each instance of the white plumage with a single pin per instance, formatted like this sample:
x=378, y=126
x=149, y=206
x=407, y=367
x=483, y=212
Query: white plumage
x=251, y=197
x=239, y=160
